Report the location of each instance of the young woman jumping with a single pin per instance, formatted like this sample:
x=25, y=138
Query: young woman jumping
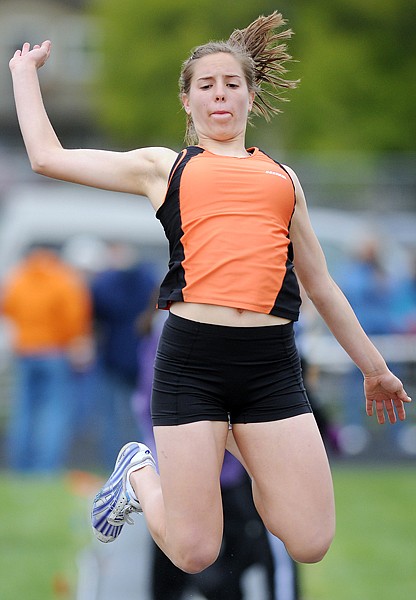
x=227, y=372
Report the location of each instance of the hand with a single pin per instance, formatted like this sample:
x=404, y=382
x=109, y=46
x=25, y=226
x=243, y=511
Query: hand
x=37, y=56
x=386, y=391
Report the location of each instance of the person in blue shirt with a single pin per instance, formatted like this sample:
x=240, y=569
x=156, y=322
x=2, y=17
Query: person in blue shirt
x=120, y=294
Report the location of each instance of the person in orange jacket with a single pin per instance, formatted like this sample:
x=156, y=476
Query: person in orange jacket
x=49, y=308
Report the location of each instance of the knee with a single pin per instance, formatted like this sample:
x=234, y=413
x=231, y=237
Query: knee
x=312, y=550
x=197, y=558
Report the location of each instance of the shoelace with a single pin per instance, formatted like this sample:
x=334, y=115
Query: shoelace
x=122, y=512
x=126, y=514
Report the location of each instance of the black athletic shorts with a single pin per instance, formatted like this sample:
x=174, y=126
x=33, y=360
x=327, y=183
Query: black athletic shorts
x=218, y=373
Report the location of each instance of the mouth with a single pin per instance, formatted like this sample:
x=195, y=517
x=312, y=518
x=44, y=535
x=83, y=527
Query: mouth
x=221, y=112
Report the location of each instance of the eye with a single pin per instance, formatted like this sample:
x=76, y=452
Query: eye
x=206, y=86
x=232, y=85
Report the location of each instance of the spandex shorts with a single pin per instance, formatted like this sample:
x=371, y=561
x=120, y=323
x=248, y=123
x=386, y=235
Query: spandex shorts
x=209, y=372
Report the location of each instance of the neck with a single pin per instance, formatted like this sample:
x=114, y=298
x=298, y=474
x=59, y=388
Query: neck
x=224, y=148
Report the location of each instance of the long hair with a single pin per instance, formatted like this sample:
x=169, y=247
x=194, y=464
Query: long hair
x=262, y=53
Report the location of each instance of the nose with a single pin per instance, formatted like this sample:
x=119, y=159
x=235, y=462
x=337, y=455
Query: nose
x=219, y=92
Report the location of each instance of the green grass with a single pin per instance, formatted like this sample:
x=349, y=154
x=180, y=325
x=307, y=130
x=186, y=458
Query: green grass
x=373, y=556
x=44, y=524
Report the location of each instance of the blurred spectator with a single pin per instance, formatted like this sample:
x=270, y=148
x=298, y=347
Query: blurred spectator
x=50, y=309
x=369, y=289
x=404, y=302
x=88, y=255
x=120, y=294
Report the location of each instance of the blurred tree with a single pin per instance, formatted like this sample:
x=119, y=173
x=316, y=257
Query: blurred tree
x=144, y=45
x=356, y=58
x=357, y=63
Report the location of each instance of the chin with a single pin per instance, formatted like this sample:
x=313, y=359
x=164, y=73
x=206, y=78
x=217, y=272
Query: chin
x=223, y=136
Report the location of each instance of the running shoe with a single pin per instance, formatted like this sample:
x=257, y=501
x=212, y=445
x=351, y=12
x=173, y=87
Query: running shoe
x=113, y=504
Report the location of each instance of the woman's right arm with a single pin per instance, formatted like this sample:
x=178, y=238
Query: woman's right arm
x=143, y=171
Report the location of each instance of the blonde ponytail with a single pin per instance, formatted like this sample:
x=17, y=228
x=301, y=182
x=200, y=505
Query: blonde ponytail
x=264, y=45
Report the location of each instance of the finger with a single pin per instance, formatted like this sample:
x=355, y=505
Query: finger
x=401, y=411
x=380, y=412
x=402, y=395
x=46, y=46
x=25, y=48
x=390, y=411
x=369, y=407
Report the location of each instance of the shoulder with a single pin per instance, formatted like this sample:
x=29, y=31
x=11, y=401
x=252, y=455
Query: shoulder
x=292, y=174
x=300, y=196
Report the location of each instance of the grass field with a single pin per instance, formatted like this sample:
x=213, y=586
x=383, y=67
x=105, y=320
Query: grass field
x=373, y=556
x=45, y=523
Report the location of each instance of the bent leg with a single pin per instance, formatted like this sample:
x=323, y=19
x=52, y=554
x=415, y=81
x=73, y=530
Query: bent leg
x=183, y=507
x=292, y=484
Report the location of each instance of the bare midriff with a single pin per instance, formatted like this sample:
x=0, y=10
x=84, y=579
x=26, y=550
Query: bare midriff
x=224, y=315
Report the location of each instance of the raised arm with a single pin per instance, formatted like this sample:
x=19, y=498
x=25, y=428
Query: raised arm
x=144, y=171
x=382, y=388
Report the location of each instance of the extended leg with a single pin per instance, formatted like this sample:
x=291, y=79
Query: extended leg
x=292, y=485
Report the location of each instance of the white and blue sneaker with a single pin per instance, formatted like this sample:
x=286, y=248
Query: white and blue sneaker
x=113, y=503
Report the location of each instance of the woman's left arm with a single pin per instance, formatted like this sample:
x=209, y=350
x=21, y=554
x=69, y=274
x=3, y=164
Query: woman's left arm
x=382, y=388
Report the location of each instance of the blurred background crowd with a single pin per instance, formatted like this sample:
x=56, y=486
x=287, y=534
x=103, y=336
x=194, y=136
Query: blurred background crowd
x=79, y=268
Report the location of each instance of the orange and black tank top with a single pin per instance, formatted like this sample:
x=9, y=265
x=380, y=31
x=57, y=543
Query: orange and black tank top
x=227, y=221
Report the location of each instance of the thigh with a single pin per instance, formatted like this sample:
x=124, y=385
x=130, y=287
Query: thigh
x=190, y=458
x=292, y=483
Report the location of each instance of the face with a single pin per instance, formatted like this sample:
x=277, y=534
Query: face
x=218, y=100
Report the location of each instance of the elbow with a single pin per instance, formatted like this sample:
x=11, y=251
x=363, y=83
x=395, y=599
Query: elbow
x=39, y=165
x=36, y=168
x=319, y=290
x=314, y=295
x=323, y=297
x=44, y=162
x=313, y=292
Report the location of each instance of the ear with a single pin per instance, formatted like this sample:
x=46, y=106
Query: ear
x=185, y=103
